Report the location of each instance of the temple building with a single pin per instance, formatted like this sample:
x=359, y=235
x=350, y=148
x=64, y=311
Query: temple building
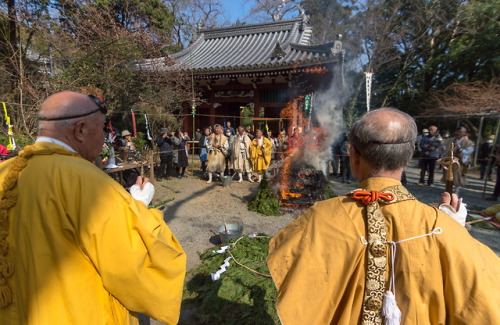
x=260, y=67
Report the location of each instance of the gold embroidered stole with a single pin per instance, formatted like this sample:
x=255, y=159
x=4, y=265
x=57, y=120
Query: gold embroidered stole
x=376, y=269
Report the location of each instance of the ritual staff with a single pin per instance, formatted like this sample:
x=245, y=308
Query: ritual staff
x=217, y=147
x=260, y=153
x=346, y=257
x=75, y=246
x=463, y=149
x=229, y=168
x=240, y=158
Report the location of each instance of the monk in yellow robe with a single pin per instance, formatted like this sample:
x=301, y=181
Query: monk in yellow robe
x=260, y=153
x=81, y=249
x=333, y=264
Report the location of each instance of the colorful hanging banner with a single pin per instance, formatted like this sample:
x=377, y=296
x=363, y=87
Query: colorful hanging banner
x=147, y=128
x=133, y=123
x=12, y=142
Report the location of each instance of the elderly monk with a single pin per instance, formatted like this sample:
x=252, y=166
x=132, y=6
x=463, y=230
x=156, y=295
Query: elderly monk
x=463, y=149
x=240, y=155
x=217, y=146
x=260, y=153
x=334, y=264
x=76, y=248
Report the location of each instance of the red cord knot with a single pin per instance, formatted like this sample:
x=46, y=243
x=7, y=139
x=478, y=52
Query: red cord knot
x=367, y=197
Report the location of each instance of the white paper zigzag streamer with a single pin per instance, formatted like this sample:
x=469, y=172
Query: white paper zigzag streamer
x=216, y=276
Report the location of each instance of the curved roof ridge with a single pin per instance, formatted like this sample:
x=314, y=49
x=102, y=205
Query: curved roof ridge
x=306, y=36
x=193, y=46
x=294, y=35
x=326, y=47
x=267, y=27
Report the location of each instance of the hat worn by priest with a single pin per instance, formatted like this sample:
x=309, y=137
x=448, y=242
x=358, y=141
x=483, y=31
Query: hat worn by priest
x=125, y=133
x=379, y=255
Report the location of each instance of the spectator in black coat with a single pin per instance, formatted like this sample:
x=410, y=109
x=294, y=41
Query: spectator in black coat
x=164, y=142
x=484, y=155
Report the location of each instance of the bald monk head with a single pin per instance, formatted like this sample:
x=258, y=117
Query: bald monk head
x=74, y=119
x=382, y=143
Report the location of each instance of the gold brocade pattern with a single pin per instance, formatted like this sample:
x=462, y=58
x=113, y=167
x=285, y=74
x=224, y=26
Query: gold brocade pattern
x=8, y=199
x=377, y=255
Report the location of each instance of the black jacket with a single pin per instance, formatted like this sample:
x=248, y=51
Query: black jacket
x=165, y=146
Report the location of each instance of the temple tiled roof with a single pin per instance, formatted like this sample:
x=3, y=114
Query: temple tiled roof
x=266, y=46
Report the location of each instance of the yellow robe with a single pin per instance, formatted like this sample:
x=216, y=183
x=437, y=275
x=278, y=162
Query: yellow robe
x=85, y=252
x=260, y=164
x=319, y=265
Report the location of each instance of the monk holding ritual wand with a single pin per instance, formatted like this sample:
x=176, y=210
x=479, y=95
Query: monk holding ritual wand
x=450, y=165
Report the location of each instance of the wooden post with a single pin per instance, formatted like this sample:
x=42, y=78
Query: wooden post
x=489, y=160
x=479, y=133
x=256, y=107
x=151, y=167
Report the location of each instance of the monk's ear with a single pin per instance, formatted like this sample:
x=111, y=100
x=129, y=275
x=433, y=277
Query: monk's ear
x=80, y=131
x=354, y=155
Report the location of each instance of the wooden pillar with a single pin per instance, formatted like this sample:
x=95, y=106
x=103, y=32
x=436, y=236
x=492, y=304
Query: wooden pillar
x=256, y=107
x=479, y=137
x=186, y=119
x=151, y=167
x=211, y=112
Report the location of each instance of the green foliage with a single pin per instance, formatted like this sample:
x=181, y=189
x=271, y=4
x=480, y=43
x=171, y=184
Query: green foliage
x=329, y=193
x=248, y=114
x=483, y=224
x=22, y=140
x=240, y=296
x=139, y=141
x=265, y=202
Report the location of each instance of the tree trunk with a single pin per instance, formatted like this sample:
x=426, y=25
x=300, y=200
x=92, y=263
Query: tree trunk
x=12, y=25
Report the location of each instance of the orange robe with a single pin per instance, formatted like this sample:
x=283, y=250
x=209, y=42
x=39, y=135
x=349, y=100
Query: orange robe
x=318, y=263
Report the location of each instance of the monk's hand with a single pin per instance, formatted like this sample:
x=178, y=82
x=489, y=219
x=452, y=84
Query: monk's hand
x=144, y=182
x=451, y=200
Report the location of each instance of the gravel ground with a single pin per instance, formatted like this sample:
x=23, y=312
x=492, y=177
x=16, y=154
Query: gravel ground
x=198, y=209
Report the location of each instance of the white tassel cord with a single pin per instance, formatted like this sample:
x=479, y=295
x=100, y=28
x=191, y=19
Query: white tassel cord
x=390, y=309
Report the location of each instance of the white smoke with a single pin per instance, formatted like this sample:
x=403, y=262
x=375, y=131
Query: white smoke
x=327, y=111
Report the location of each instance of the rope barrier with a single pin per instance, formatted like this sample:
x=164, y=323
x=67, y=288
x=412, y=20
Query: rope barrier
x=246, y=267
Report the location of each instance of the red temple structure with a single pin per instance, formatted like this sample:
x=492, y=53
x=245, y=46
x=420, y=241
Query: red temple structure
x=260, y=66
